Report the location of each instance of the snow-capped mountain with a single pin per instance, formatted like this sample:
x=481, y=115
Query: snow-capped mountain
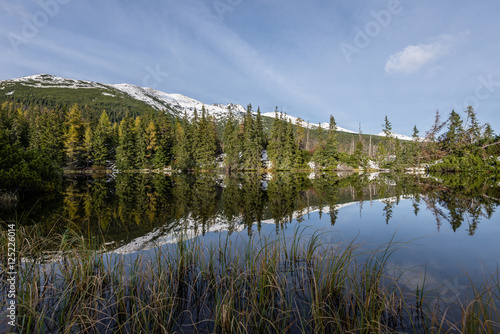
x=160, y=100
x=174, y=103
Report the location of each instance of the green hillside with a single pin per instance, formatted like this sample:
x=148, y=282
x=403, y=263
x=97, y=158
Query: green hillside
x=116, y=103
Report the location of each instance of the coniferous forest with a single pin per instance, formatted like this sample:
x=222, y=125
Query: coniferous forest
x=37, y=143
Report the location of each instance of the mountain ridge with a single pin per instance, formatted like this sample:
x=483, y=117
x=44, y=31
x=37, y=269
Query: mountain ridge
x=174, y=103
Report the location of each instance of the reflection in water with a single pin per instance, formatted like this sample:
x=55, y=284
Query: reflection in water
x=129, y=206
x=433, y=219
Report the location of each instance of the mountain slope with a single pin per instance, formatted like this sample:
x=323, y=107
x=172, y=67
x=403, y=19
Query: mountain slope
x=122, y=99
x=51, y=91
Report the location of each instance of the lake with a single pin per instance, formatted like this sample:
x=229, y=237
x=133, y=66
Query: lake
x=445, y=229
x=448, y=226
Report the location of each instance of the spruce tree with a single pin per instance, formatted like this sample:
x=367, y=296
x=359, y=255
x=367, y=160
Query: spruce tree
x=473, y=131
x=206, y=140
x=165, y=138
x=331, y=149
x=274, y=147
x=415, y=147
x=231, y=145
x=126, y=150
x=87, y=144
x=47, y=135
x=74, y=136
x=141, y=145
x=453, y=138
x=252, y=146
x=259, y=130
x=291, y=156
x=318, y=155
x=183, y=147
x=102, y=143
x=386, y=146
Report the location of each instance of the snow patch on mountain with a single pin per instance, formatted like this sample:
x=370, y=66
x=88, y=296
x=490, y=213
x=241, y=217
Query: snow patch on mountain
x=326, y=126
x=50, y=81
x=305, y=124
x=177, y=102
x=400, y=136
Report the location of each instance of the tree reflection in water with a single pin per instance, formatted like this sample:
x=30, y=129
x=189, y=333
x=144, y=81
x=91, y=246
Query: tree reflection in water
x=128, y=206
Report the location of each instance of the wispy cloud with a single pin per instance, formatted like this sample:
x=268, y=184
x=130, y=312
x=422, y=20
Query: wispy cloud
x=415, y=57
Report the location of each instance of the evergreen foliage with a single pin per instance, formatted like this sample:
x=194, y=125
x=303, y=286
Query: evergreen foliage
x=327, y=151
x=253, y=138
x=231, y=144
x=81, y=137
x=283, y=149
x=126, y=151
x=74, y=144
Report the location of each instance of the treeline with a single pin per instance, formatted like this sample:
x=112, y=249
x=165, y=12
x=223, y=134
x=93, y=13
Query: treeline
x=37, y=142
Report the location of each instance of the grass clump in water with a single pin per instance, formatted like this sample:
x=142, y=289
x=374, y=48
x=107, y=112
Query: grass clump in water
x=260, y=285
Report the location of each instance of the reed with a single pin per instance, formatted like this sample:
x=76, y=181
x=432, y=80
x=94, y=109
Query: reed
x=262, y=284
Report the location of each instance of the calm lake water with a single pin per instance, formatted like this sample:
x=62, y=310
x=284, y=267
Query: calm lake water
x=449, y=227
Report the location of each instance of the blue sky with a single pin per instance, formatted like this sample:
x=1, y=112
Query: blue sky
x=356, y=60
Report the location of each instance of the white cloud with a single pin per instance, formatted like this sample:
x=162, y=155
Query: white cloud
x=414, y=57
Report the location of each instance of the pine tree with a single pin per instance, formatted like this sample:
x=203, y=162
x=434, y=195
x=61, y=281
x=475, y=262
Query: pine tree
x=283, y=148
x=300, y=133
x=453, y=138
x=331, y=146
x=47, y=135
x=102, y=142
x=319, y=154
x=141, y=144
x=415, y=147
x=231, y=145
x=206, y=140
x=386, y=146
x=488, y=133
x=183, y=148
x=259, y=130
x=326, y=154
x=126, y=150
x=252, y=146
x=165, y=138
x=87, y=144
x=151, y=140
x=274, y=147
x=289, y=146
x=431, y=148
x=473, y=131
x=74, y=136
